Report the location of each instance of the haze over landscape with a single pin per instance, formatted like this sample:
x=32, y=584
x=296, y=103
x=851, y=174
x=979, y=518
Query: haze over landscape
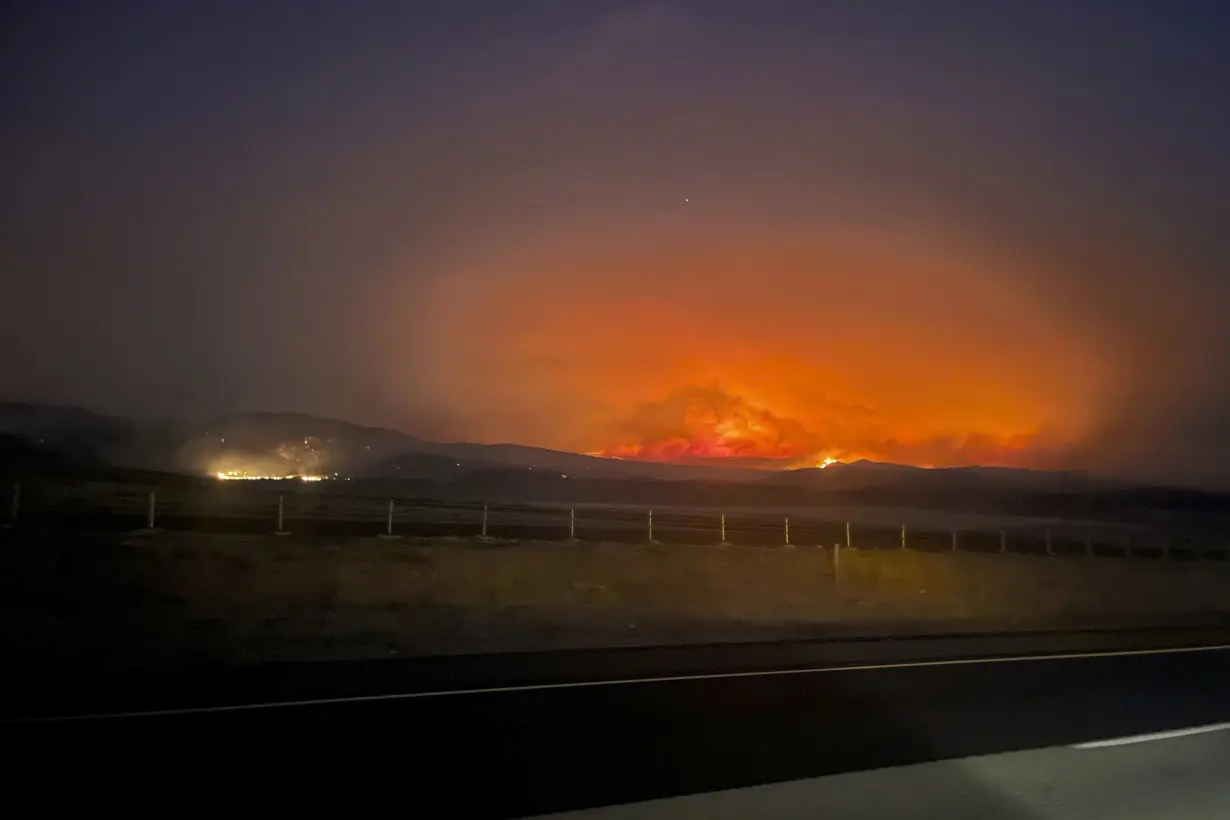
x=820, y=403
x=673, y=231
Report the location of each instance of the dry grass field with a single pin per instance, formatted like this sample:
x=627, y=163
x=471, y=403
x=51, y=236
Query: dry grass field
x=175, y=598
x=170, y=598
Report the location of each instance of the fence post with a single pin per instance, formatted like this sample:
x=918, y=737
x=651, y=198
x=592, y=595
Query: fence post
x=723, y=528
x=787, y=532
x=572, y=525
x=651, y=526
x=15, y=504
x=484, y=532
x=149, y=518
x=1003, y=541
x=281, y=530
x=903, y=536
x=847, y=535
x=388, y=525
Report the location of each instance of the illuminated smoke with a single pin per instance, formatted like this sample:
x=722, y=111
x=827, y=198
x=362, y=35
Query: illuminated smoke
x=308, y=456
x=709, y=423
x=307, y=459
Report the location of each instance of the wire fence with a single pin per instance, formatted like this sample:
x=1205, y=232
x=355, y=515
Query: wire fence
x=306, y=510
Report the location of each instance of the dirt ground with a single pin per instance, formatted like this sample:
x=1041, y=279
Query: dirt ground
x=179, y=598
x=174, y=598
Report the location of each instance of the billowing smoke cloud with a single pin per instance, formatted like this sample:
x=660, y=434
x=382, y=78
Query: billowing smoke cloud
x=253, y=448
x=707, y=423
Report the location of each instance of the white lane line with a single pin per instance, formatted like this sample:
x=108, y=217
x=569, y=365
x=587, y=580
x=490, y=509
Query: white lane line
x=543, y=687
x=1127, y=741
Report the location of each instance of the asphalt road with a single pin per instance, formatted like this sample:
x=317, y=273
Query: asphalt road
x=1174, y=778
x=509, y=736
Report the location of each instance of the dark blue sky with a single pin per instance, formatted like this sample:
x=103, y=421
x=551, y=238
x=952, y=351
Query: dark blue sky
x=458, y=218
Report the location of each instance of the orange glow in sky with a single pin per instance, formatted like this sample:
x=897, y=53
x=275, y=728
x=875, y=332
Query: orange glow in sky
x=711, y=424
x=668, y=229
x=767, y=344
x=708, y=423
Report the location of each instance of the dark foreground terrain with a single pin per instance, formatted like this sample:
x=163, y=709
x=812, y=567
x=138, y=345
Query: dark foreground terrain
x=515, y=735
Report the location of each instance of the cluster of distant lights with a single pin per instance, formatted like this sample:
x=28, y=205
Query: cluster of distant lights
x=239, y=475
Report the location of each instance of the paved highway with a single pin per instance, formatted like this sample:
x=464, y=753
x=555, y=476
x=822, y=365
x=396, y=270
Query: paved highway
x=1139, y=778
x=510, y=736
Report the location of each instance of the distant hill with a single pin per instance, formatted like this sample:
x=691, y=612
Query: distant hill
x=49, y=438
x=282, y=443
x=328, y=445
x=505, y=485
x=867, y=474
x=482, y=456
x=58, y=424
x=22, y=455
x=999, y=489
x=258, y=428
x=62, y=435
x=968, y=490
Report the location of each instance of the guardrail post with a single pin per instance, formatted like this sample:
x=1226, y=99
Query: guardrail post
x=723, y=539
x=484, y=532
x=14, y=504
x=787, y=532
x=651, y=526
x=847, y=535
x=281, y=529
x=572, y=525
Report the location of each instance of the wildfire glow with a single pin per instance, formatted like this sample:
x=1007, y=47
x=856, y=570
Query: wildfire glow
x=750, y=362
x=710, y=424
x=240, y=475
x=707, y=423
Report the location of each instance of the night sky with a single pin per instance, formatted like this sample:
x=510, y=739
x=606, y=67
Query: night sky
x=930, y=232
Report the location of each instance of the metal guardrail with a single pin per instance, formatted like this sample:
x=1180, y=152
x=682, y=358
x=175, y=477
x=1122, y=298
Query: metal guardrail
x=258, y=507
